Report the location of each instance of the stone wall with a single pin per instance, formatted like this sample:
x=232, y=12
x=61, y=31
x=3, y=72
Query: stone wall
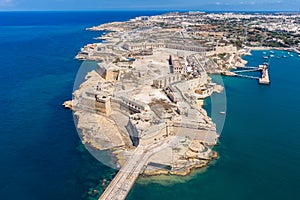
x=133, y=133
x=165, y=81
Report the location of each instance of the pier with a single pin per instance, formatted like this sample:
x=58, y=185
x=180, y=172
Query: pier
x=264, y=79
x=264, y=76
x=122, y=183
x=246, y=70
x=246, y=76
x=126, y=177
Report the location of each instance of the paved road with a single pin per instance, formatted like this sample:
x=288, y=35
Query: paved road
x=126, y=177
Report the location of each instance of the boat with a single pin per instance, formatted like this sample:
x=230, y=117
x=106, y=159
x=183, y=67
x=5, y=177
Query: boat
x=284, y=56
x=265, y=57
x=272, y=56
x=272, y=52
x=222, y=112
x=104, y=181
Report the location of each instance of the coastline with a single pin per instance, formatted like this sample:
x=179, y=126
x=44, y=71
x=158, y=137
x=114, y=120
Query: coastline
x=258, y=148
x=122, y=153
x=112, y=37
x=120, y=57
x=108, y=40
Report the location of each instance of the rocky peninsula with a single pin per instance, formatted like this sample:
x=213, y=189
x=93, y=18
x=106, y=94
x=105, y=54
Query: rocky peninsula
x=150, y=84
x=149, y=87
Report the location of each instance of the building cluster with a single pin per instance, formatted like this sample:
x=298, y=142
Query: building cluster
x=153, y=74
x=153, y=80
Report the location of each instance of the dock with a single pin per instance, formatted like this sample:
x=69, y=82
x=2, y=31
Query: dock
x=263, y=69
x=264, y=77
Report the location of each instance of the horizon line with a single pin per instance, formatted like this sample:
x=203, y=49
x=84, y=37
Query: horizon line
x=157, y=10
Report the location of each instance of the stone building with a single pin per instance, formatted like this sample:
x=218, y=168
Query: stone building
x=103, y=104
x=165, y=81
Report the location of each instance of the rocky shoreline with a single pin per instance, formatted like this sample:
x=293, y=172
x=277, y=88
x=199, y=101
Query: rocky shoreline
x=140, y=93
x=90, y=125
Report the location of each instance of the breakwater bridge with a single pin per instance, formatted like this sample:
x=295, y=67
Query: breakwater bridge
x=263, y=69
x=120, y=186
x=126, y=177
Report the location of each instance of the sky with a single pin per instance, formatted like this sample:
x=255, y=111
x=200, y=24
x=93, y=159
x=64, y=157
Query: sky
x=203, y=5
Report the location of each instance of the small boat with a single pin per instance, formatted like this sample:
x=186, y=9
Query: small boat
x=95, y=191
x=104, y=181
x=272, y=52
x=265, y=57
x=272, y=56
x=284, y=56
x=222, y=112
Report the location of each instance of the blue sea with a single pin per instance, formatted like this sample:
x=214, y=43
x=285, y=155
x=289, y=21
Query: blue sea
x=41, y=153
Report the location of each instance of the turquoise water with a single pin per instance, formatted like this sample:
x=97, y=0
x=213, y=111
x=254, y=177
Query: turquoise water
x=41, y=155
x=259, y=146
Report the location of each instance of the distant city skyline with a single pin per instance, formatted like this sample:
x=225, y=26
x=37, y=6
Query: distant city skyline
x=213, y=5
